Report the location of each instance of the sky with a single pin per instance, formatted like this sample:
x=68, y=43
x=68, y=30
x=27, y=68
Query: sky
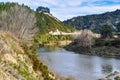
x=66, y=9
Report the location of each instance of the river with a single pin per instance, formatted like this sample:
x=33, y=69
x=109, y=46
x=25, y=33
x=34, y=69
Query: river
x=79, y=67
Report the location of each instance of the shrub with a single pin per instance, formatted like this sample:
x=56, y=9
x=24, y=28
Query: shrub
x=106, y=31
x=37, y=64
x=85, y=39
x=117, y=78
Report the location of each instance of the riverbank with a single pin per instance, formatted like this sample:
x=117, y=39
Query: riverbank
x=20, y=62
x=112, y=76
x=57, y=43
x=103, y=49
x=80, y=67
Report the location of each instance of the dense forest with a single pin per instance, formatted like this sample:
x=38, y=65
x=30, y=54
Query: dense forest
x=94, y=22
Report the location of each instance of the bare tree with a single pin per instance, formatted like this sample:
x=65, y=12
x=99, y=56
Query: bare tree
x=20, y=21
x=85, y=38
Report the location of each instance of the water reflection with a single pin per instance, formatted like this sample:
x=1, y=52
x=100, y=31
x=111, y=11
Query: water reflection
x=82, y=67
x=107, y=68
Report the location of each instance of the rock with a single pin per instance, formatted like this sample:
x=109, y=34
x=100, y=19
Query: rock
x=113, y=75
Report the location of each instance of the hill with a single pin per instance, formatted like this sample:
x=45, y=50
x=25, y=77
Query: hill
x=93, y=22
x=46, y=23
x=18, y=52
x=18, y=62
x=26, y=23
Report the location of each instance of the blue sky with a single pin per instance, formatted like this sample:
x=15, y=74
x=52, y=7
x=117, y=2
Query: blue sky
x=65, y=9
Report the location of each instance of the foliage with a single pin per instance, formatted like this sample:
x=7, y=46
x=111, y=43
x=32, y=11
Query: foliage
x=43, y=9
x=37, y=64
x=106, y=31
x=118, y=27
x=6, y=6
x=23, y=70
x=25, y=23
x=110, y=42
x=47, y=23
x=18, y=20
x=0, y=58
x=94, y=22
x=85, y=39
x=117, y=78
x=51, y=38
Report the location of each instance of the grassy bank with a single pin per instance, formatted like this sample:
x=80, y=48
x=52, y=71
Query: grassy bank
x=52, y=40
x=20, y=61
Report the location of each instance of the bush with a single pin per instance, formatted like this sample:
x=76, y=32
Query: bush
x=37, y=64
x=117, y=78
x=106, y=31
x=51, y=38
x=85, y=39
x=103, y=42
x=111, y=42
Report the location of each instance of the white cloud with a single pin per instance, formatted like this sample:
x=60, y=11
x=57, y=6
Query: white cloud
x=66, y=13
x=65, y=9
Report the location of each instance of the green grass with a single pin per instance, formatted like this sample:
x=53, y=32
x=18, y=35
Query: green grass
x=37, y=64
x=46, y=23
x=23, y=70
x=51, y=38
x=0, y=58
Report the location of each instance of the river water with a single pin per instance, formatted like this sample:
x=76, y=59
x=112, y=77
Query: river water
x=79, y=67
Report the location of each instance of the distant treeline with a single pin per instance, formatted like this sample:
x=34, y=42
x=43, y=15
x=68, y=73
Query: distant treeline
x=95, y=21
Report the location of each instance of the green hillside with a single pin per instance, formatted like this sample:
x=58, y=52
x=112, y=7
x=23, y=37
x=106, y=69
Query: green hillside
x=18, y=54
x=46, y=23
x=25, y=23
x=95, y=21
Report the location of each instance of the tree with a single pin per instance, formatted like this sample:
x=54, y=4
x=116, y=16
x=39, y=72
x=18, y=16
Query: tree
x=118, y=27
x=106, y=31
x=20, y=21
x=43, y=9
x=85, y=38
